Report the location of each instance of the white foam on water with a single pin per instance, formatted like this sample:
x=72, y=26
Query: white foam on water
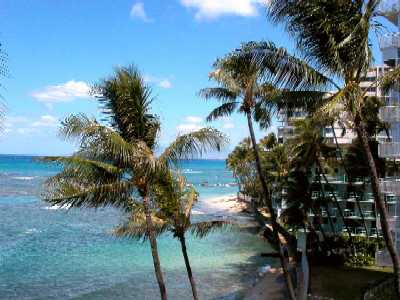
x=190, y=171
x=32, y=231
x=56, y=207
x=23, y=177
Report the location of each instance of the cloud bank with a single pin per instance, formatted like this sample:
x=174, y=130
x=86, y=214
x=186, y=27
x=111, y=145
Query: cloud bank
x=65, y=92
x=213, y=9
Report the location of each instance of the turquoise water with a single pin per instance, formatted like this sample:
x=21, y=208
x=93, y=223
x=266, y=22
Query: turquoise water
x=48, y=253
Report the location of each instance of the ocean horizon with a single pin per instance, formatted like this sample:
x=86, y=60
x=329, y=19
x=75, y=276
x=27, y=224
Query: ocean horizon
x=52, y=253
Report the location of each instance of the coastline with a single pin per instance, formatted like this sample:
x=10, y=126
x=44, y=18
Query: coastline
x=268, y=282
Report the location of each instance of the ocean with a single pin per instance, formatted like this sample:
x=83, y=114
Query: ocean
x=50, y=253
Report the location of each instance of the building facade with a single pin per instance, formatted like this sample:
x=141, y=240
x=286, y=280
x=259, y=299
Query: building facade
x=355, y=198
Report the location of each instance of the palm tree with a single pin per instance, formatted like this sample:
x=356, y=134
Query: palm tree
x=308, y=149
x=176, y=201
x=116, y=165
x=249, y=87
x=334, y=37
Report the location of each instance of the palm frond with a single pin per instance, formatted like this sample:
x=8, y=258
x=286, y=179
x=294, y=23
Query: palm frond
x=126, y=100
x=223, y=110
x=263, y=114
x=390, y=80
x=333, y=34
x=71, y=193
x=98, y=141
x=282, y=69
x=81, y=161
x=194, y=144
x=136, y=227
x=220, y=93
x=202, y=229
x=309, y=101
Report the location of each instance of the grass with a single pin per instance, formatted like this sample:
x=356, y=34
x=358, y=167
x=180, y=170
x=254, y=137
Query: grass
x=344, y=283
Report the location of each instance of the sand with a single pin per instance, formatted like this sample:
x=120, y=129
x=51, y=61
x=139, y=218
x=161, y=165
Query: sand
x=228, y=204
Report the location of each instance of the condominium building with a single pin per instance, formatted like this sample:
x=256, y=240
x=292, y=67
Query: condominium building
x=356, y=202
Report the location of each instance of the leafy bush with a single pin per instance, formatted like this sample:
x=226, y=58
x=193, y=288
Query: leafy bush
x=337, y=251
x=360, y=261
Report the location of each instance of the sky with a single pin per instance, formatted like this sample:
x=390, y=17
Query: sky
x=58, y=49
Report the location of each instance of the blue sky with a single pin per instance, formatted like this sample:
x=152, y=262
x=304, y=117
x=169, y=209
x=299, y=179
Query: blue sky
x=57, y=49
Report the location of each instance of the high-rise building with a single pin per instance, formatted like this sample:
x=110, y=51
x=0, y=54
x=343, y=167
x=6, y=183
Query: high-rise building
x=389, y=146
x=356, y=199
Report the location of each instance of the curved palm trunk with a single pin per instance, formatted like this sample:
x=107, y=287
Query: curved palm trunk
x=319, y=224
x=268, y=201
x=327, y=205
x=188, y=268
x=380, y=203
x=339, y=151
x=154, y=251
x=336, y=201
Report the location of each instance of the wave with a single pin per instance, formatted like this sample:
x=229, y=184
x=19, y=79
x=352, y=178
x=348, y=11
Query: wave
x=56, y=207
x=32, y=231
x=190, y=171
x=23, y=177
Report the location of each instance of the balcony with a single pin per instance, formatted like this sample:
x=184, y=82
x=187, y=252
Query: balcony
x=390, y=114
x=390, y=41
x=391, y=186
x=389, y=150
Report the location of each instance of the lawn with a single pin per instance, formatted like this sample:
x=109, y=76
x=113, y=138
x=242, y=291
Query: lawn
x=343, y=283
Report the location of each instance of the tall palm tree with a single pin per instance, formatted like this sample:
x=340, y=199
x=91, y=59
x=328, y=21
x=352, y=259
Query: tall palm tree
x=176, y=201
x=334, y=36
x=116, y=164
x=309, y=150
x=249, y=87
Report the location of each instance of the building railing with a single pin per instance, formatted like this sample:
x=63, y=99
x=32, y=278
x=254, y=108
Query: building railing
x=390, y=114
x=389, y=150
x=390, y=40
x=391, y=186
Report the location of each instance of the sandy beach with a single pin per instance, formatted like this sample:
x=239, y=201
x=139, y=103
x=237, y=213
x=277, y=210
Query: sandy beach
x=224, y=205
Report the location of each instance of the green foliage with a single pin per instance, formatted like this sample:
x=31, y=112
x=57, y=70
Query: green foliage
x=117, y=165
x=331, y=33
x=175, y=200
x=336, y=251
x=360, y=261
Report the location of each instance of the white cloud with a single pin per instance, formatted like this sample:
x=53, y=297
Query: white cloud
x=191, y=123
x=138, y=12
x=193, y=119
x=65, y=92
x=188, y=127
x=25, y=125
x=46, y=121
x=212, y=9
x=164, y=83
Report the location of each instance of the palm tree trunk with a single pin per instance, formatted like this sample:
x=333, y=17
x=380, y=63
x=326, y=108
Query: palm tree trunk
x=188, y=268
x=336, y=202
x=379, y=202
x=339, y=151
x=314, y=211
x=268, y=201
x=327, y=205
x=154, y=252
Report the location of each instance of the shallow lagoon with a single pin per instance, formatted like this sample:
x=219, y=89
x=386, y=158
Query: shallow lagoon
x=50, y=253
